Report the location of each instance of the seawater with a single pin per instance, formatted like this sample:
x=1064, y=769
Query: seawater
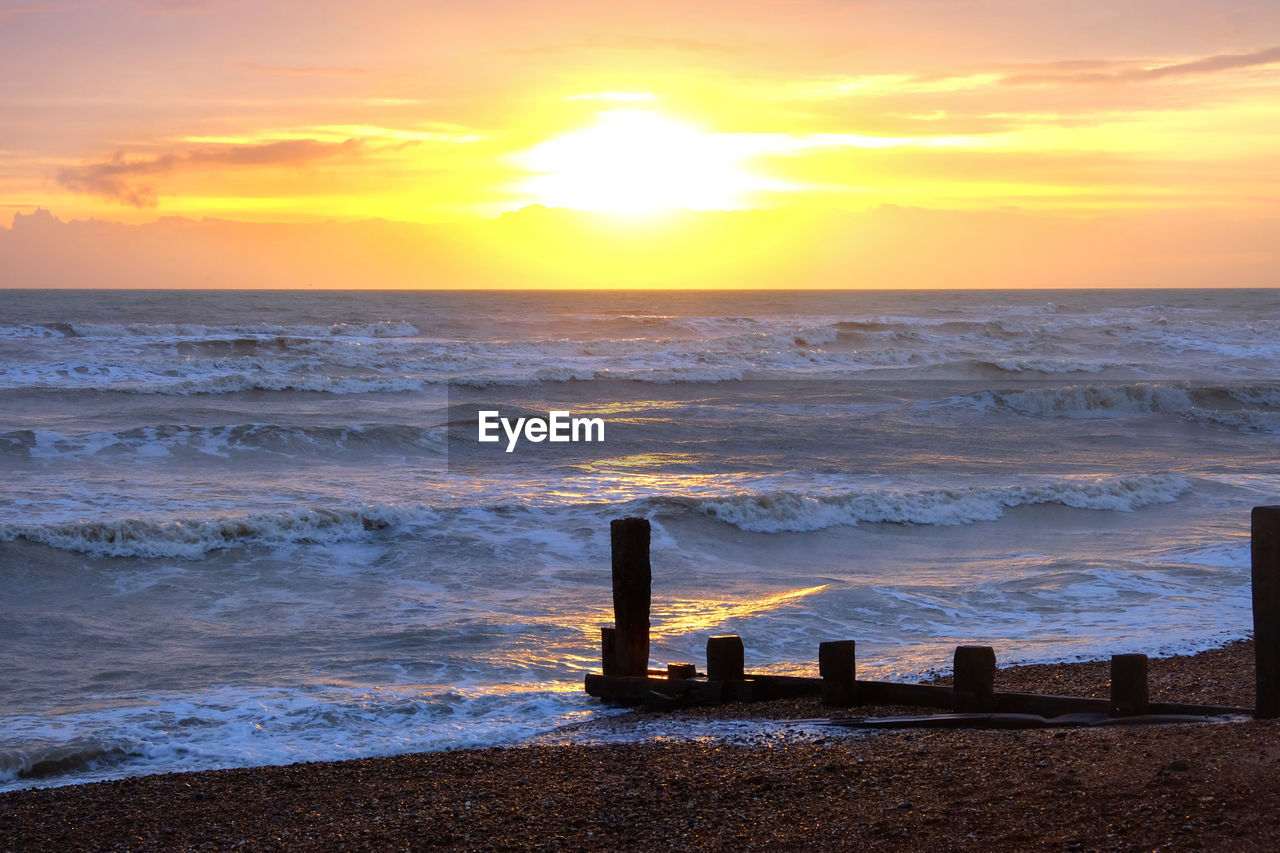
x=240, y=528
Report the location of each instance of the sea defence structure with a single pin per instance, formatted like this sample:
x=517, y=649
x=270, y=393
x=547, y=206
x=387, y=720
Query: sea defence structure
x=627, y=678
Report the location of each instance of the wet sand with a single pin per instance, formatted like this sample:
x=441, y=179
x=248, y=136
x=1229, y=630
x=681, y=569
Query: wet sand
x=1184, y=787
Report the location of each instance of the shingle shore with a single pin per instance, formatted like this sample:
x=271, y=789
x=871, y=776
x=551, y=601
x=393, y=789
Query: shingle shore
x=1187, y=787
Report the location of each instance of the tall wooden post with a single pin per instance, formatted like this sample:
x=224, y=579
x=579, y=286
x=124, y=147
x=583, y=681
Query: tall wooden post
x=974, y=689
x=1265, y=535
x=632, y=578
x=1129, y=696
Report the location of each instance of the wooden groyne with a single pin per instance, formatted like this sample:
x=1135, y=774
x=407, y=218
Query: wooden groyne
x=626, y=676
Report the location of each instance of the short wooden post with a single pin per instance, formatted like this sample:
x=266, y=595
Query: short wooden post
x=609, y=650
x=837, y=664
x=725, y=658
x=973, y=688
x=681, y=671
x=632, y=578
x=1129, y=696
x=1265, y=535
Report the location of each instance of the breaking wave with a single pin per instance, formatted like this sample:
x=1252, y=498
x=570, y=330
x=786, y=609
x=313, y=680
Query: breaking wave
x=793, y=511
x=179, y=331
x=193, y=538
x=1251, y=408
x=168, y=439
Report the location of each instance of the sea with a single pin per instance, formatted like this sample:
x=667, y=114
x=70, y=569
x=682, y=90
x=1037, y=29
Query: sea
x=258, y=527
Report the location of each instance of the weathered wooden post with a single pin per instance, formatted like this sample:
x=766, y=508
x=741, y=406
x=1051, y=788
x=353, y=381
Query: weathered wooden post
x=1129, y=695
x=1265, y=536
x=973, y=688
x=609, y=650
x=837, y=664
x=632, y=578
x=725, y=658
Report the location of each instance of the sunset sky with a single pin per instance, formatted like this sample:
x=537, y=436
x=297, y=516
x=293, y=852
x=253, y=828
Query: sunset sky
x=803, y=111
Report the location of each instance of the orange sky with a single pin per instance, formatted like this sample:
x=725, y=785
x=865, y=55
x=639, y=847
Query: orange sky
x=633, y=115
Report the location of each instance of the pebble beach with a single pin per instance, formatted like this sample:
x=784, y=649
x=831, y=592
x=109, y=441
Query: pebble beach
x=1183, y=787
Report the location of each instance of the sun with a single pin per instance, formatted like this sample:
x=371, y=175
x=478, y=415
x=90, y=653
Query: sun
x=638, y=162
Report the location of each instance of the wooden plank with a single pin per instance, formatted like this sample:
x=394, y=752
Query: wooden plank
x=1197, y=710
x=632, y=581
x=698, y=692
x=1265, y=535
x=766, y=687
x=616, y=688
x=1129, y=697
x=893, y=693
x=1049, y=706
x=681, y=670
x=634, y=689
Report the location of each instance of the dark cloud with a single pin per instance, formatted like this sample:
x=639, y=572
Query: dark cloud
x=118, y=177
x=1205, y=65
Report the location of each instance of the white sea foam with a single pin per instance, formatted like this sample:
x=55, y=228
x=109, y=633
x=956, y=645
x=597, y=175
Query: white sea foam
x=257, y=726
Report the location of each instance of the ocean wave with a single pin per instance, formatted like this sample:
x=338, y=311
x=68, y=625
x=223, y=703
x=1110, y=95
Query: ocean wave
x=1095, y=401
x=34, y=330
x=188, y=331
x=167, y=439
x=42, y=762
x=795, y=511
x=1245, y=408
x=1047, y=366
x=1243, y=420
x=193, y=538
x=339, y=358
x=1256, y=395
x=252, y=726
x=238, y=382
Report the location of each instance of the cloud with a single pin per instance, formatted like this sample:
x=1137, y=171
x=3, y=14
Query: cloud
x=1204, y=65
x=1066, y=72
x=116, y=177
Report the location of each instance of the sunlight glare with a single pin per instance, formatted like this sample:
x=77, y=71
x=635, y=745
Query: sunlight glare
x=638, y=162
